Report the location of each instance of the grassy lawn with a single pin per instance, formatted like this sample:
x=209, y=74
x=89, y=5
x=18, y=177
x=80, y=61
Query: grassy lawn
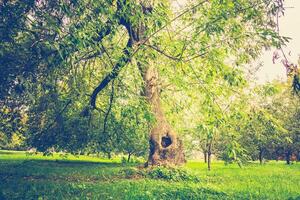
x=54, y=177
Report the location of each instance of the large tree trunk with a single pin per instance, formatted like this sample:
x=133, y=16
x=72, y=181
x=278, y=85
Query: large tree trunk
x=165, y=147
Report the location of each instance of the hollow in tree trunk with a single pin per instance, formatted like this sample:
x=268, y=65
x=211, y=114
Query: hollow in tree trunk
x=165, y=146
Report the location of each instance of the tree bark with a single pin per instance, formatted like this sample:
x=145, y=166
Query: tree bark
x=165, y=146
x=108, y=155
x=209, y=157
x=277, y=155
x=288, y=156
x=260, y=156
x=128, y=159
x=205, y=156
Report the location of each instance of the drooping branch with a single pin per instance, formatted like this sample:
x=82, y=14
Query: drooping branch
x=56, y=117
x=125, y=58
x=134, y=37
x=111, y=98
x=107, y=30
x=163, y=52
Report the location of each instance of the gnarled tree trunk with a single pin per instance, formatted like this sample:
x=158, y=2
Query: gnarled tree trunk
x=165, y=146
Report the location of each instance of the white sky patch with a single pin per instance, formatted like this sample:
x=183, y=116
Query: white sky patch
x=289, y=27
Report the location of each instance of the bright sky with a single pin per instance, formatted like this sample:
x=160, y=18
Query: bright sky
x=290, y=27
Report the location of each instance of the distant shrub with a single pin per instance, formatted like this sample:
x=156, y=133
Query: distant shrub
x=31, y=151
x=63, y=155
x=173, y=174
x=133, y=159
x=123, y=160
x=166, y=173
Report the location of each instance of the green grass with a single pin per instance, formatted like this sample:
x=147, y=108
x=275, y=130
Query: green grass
x=54, y=177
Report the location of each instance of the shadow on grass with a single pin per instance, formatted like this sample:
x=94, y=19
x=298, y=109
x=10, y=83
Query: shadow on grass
x=44, y=160
x=62, y=162
x=134, y=191
x=7, y=152
x=59, y=170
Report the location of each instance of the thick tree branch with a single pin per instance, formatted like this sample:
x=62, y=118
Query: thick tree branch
x=127, y=52
x=114, y=73
x=163, y=52
x=107, y=30
x=111, y=98
x=56, y=117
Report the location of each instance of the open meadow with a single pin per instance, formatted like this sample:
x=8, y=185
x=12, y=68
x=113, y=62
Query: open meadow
x=26, y=176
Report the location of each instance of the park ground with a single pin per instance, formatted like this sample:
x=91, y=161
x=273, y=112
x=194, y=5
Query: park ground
x=24, y=176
